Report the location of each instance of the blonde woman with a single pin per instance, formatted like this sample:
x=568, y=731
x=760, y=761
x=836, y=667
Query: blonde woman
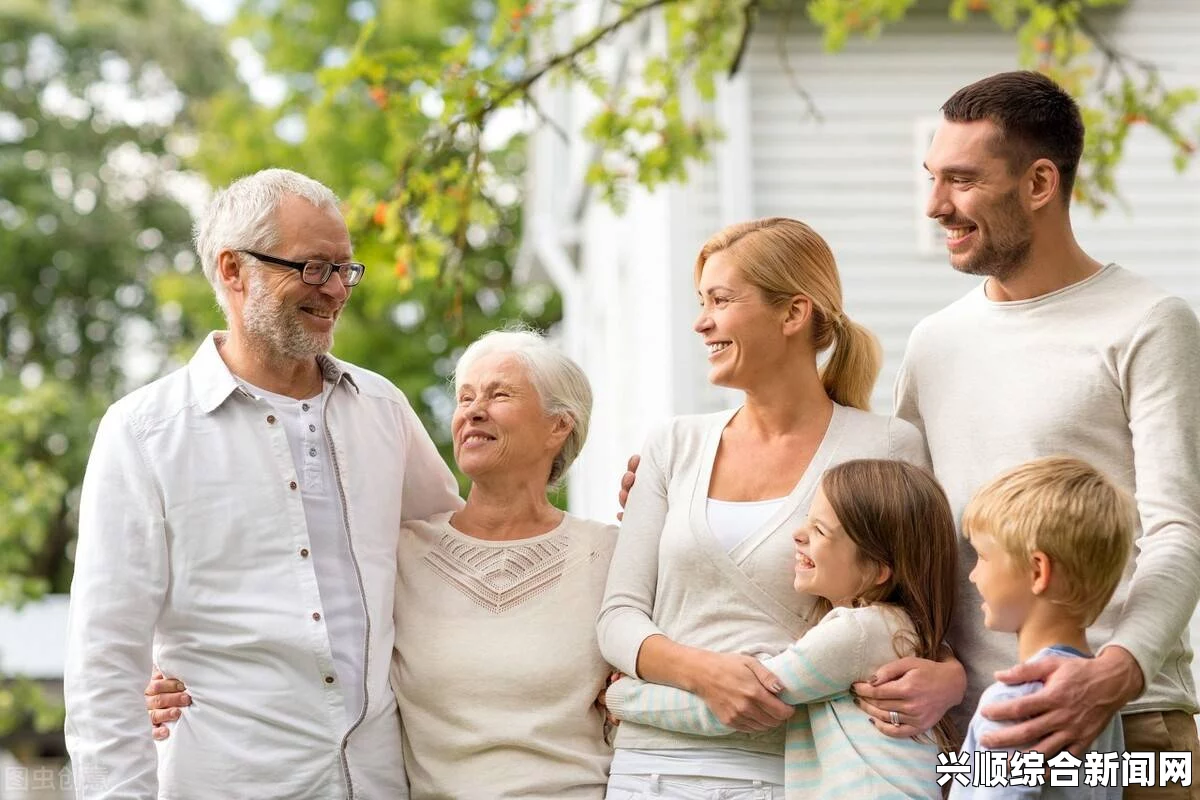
x=701, y=581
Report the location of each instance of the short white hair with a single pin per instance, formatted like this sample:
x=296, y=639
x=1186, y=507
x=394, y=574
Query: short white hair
x=242, y=216
x=560, y=383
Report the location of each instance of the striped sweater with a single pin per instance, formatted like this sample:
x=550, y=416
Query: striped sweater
x=832, y=748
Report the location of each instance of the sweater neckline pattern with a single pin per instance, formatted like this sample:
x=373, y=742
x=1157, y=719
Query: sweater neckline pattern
x=500, y=576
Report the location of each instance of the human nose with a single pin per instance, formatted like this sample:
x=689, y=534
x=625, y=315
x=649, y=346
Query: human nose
x=938, y=203
x=476, y=410
x=703, y=321
x=335, y=286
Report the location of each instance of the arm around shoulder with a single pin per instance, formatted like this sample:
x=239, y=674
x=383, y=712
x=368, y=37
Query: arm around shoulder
x=429, y=485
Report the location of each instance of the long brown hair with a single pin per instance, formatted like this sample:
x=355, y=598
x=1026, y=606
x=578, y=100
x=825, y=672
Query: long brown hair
x=782, y=258
x=897, y=515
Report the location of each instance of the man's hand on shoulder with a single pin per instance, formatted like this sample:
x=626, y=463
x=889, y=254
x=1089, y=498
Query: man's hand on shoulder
x=1078, y=699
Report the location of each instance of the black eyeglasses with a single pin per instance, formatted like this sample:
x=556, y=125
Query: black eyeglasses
x=316, y=272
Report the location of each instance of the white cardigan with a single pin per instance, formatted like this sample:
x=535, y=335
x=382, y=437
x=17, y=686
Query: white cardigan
x=671, y=576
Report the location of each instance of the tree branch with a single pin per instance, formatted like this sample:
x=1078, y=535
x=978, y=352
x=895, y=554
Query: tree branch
x=790, y=72
x=544, y=117
x=522, y=84
x=748, y=14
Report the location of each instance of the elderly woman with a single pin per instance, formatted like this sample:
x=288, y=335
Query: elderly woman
x=496, y=667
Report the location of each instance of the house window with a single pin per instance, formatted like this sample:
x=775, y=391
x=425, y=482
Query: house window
x=931, y=238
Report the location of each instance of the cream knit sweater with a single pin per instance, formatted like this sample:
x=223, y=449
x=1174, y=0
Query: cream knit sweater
x=496, y=667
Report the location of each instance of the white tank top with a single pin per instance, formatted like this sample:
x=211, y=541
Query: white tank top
x=732, y=523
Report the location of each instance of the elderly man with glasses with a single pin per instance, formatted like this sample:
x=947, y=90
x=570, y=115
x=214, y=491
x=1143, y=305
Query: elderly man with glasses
x=238, y=527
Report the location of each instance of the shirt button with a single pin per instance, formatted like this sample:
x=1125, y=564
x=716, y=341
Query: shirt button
x=329, y=679
x=312, y=428
x=292, y=485
x=304, y=406
x=312, y=451
x=317, y=616
x=270, y=419
x=304, y=552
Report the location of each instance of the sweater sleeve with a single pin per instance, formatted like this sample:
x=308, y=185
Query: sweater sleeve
x=663, y=707
x=823, y=664
x=625, y=615
x=1160, y=378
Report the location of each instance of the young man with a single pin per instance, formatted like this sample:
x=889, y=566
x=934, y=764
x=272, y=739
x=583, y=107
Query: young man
x=239, y=518
x=1058, y=353
x=1052, y=538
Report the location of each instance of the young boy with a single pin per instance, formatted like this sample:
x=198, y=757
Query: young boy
x=1053, y=537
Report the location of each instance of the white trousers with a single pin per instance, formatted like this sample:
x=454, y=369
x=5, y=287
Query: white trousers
x=688, y=787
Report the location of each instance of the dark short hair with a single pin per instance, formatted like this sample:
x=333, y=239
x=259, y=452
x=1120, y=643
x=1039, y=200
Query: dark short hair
x=1036, y=118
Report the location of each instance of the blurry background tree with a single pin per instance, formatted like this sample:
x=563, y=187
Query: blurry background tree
x=92, y=120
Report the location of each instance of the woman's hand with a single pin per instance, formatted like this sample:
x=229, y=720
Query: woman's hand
x=601, y=702
x=164, y=699
x=739, y=690
x=918, y=690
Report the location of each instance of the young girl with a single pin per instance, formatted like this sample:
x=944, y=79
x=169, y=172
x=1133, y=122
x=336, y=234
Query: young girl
x=879, y=551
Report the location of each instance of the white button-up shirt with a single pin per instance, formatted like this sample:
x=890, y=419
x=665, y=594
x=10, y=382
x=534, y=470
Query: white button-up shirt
x=194, y=553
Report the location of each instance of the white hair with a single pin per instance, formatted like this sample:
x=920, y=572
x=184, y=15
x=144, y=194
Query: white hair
x=243, y=217
x=559, y=382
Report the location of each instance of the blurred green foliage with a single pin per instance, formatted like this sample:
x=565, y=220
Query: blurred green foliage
x=93, y=109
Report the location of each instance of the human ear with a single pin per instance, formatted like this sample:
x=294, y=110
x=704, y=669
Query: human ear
x=799, y=312
x=563, y=425
x=229, y=271
x=1044, y=183
x=1041, y=570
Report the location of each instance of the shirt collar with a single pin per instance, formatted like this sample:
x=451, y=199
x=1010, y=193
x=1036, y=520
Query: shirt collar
x=213, y=383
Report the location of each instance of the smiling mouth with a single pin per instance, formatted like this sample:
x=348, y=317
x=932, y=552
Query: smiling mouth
x=716, y=347
x=956, y=234
x=804, y=562
x=319, y=313
x=476, y=438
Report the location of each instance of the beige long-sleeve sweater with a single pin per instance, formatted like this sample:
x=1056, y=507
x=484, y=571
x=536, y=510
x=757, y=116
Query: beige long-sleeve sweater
x=496, y=667
x=1107, y=370
x=670, y=575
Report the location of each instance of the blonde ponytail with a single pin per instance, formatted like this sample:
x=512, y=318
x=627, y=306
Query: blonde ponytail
x=850, y=373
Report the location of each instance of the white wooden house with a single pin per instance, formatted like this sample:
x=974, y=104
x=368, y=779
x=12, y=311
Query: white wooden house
x=855, y=176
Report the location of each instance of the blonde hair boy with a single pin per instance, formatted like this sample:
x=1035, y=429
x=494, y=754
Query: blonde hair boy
x=1053, y=538
x=1067, y=511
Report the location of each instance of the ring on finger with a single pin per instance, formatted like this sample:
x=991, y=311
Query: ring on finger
x=895, y=718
